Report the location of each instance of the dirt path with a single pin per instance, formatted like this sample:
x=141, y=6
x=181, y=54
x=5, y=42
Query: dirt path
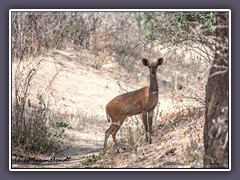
x=78, y=95
x=78, y=147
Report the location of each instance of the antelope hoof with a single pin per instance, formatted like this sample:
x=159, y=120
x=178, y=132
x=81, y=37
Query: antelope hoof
x=104, y=150
x=148, y=141
x=118, y=150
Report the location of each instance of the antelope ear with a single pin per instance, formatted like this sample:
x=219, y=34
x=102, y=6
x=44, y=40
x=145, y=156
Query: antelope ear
x=159, y=62
x=145, y=62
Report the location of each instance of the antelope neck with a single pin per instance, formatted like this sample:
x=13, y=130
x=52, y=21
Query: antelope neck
x=153, y=84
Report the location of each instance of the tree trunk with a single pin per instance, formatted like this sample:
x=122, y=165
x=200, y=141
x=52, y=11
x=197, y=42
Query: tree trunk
x=216, y=114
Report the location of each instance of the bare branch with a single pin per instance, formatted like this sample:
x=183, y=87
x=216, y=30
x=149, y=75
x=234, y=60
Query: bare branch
x=217, y=73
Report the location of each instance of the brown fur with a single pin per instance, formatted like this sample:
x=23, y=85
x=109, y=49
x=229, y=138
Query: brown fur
x=132, y=103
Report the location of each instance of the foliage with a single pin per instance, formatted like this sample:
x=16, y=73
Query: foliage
x=62, y=125
x=29, y=128
x=30, y=120
x=179, y=26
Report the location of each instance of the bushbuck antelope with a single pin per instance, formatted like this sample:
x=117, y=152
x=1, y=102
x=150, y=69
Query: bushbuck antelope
x=142, y=101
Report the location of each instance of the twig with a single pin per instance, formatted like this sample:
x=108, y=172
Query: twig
x=217, y=73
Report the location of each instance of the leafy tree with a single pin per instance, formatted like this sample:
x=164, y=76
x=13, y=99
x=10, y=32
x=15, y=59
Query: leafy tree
x=178, y=27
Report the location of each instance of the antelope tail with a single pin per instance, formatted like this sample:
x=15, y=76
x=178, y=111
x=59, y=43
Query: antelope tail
x=108, y=116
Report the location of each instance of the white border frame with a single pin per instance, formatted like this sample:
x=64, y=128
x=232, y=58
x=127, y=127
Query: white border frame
x=113, y=10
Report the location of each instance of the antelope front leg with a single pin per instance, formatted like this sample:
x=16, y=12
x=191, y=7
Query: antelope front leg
x=149, y=124
x=147, y=121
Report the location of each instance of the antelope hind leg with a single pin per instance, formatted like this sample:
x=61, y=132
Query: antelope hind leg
x=107, y=134
x=114, y=132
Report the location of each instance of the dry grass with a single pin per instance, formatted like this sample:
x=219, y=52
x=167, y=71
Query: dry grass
x=177, y=140
x=178, y=143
